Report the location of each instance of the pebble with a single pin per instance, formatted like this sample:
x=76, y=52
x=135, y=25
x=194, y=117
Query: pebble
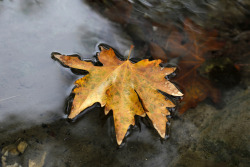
x=22, y=146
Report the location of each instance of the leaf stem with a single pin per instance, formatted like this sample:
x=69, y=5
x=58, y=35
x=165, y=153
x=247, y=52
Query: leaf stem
x=131, y=48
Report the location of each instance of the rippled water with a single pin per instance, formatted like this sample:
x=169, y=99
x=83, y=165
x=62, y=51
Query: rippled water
x=34, y=88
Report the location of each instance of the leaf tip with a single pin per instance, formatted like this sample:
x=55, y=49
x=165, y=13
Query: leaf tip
x=55, y=55
x=71, y=115
x=174, y=68
x=102, y=48
x=119, y=142
x=179, y=94
x=161, y=132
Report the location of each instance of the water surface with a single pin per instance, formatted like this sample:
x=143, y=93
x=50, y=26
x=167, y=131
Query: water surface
x=34, y=88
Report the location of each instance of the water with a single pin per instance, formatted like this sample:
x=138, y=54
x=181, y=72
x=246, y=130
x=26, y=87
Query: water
x=30, y=31
x=34, y=88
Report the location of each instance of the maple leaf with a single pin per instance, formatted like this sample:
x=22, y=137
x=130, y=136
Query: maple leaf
x=126, y=88
x=191, y=49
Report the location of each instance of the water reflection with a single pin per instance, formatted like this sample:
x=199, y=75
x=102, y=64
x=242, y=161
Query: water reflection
x=31, y=84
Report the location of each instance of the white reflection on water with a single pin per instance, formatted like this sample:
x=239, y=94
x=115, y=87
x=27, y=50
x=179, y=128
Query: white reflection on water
x=32, y=84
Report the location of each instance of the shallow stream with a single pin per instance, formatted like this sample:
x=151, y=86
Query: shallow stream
x=34, y=88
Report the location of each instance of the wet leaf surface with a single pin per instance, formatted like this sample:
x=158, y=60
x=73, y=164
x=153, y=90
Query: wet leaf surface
x=126, y=88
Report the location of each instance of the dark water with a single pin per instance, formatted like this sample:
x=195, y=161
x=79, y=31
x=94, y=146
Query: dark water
x=34, y=88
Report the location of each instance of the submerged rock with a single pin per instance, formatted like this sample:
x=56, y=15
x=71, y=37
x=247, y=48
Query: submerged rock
x=22, y=146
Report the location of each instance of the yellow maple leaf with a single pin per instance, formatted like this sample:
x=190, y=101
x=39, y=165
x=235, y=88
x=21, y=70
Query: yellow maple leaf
x=126, y=88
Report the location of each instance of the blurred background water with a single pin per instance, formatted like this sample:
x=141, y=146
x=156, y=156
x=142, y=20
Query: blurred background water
x=34, y=88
